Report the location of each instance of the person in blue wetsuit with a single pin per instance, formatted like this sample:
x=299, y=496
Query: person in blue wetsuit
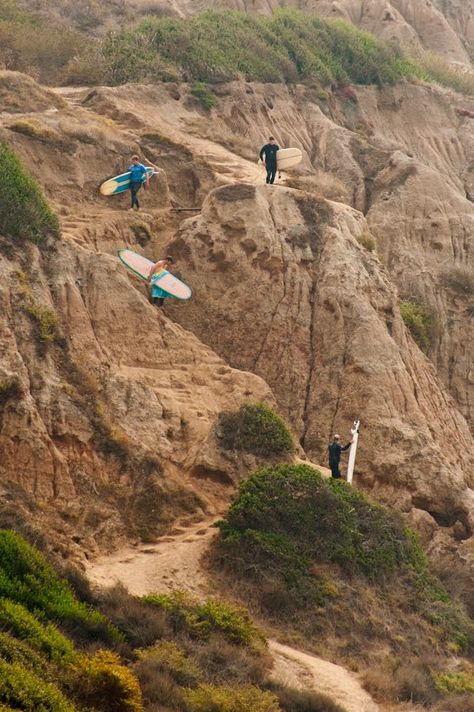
x=158, y=295
x=138, y=174
x=268, y=154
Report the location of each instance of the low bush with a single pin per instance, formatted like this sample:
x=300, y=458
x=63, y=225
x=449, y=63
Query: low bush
x=23, y=690
x=45, y=318
x=292, y=700
x=10, y=389
x=367, y=240
x=24, y=212
x=256, y=429
x=167, y=657
x=419, y=320
x=436, y=68
x=100, y=681
x=202, y=92
x=13, y=650
x=207, y=698
x=454, y=682
x=200, y=619
x=459, y=280
x=228, y=663
x=455, y=703
x=47, y=639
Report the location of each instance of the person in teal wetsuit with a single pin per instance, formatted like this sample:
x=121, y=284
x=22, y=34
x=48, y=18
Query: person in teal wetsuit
x=158, y=295
x=138, y=174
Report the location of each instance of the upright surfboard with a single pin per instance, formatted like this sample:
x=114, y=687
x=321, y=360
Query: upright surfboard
x=120, y=183
x=141, y=267
x=288, y=158
x=353, y=451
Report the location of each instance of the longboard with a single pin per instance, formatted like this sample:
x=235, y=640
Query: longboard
x=141, y=267
x=120, y=183
x=288, y=158
x=353, y=451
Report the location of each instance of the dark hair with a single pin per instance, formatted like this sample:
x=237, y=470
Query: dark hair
x=168, y=258
x=271, y=138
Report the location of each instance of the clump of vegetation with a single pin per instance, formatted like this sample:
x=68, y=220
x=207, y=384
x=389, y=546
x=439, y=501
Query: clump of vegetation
x=200, y=619
x=102, y=682
x=438, y=69
x=24, y=212
x=10, y=389
x=291, y=700
x=297, y=542
x=460, y=280
x=230, y=699
x=256, y=429
x=457, y=682
x=420, y=322
x=46, y=320
x=367, y=240
x=202, y=92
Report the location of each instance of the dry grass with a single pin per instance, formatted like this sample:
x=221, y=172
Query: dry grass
x=321, y=184
x=367, y=240
x=40, y=132
x=439, y=70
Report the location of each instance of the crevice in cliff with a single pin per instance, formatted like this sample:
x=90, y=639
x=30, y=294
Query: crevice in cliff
x=312, y=357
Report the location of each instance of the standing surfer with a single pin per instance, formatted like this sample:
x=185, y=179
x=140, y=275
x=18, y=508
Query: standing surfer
x=138, y=172
x=268, y=154
x=158, y=295
x=335, y=449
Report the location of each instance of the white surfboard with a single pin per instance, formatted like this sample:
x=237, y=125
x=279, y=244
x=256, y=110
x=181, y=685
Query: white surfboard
x=353, y=451
x=288, y=158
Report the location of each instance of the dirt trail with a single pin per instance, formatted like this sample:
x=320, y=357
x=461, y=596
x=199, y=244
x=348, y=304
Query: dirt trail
x=175, y=562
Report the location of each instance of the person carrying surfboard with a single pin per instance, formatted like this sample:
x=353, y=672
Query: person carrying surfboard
x=138, y=173
x=335, y=449
x=158, y=295
x=268, y=154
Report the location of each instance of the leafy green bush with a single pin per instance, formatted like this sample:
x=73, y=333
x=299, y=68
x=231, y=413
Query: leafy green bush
x=420, y=322
x=457, y=682
x=292, y=515
x=170, y=659
x=27, y=578
x=286, y=47
x=199, y=619
x=207, y=698
x=255, y=428
x=24, y=212
x=202, y=92
x=103, y=683
x=45, y=319
x=24, y=690
x=47, y=639
x=13, y=650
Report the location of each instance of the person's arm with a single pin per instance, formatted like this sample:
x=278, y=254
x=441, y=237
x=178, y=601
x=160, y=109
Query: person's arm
x=346, y=447
x=262, y=153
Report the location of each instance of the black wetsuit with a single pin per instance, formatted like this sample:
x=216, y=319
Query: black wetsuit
x=134, y=188
x=270, y=153
x=335, y=456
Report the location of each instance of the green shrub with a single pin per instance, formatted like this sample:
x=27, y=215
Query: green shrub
x=24, y=212
x=420, y=322
x=23, y=690
x=46, y=320
x=47, y=639
x=168, y=658
x=207, y=698
x=256, y=429
x=13, y=650
x=367, y=240
x=200, y=619
x=26, y=577
x=454, y=682
x=204, y=94
x=102, y=683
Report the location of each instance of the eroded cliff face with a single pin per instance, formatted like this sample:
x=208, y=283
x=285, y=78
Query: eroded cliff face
x=112, y=430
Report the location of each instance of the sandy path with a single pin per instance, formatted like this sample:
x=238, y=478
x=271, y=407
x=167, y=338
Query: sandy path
x=173, y=562
x=305, y=671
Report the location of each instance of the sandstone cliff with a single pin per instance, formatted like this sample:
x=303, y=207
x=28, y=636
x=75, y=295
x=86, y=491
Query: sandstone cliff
x=118, y=413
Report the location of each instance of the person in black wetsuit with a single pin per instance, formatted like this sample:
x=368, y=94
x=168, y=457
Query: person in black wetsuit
x=335, y=449
x=268, y=154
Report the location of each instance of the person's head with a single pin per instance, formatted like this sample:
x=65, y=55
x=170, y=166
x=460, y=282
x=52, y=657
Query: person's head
x=337, y=437
x=135, y=159
x=271, y=139
x=169, y=260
